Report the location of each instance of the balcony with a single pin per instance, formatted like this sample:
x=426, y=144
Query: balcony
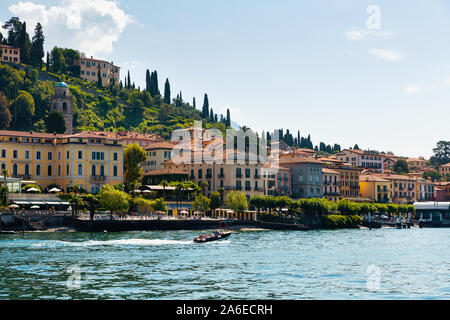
x=221, y=176
x=238, y=175
x=208, y=176
x=257, y=176
x=248, y=188
x=239, y=188
x=98, y=178
x=21, y=176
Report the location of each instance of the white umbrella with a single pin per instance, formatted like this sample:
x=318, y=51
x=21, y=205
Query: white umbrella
x=183, y=212
x=146, y=191
x=35, y=207
x=54, y=190
x=137, y=191
x=14, y=206
x=32, y=190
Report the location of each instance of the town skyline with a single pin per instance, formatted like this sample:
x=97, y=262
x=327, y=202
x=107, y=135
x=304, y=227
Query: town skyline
x=372, y=75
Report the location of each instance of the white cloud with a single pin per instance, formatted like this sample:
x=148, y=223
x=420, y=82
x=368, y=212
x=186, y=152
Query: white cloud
x=389, y=55
x=91, y=26
x=356, y=35
x=413, y=88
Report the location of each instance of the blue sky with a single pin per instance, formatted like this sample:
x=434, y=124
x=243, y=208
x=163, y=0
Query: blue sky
x=308, y=65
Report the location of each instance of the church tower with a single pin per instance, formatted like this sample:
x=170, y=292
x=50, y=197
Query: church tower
x=62, y=102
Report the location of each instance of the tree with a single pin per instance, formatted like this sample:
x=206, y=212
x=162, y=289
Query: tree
x=237, y=201
x=57, y=61
x=356, y=147
x=24, y=45
x=113, y=200
x=147, y=81
x=228, y=121
x=433, y=175
x=401, y=166
x=134, y=155
x=205, y=113
x=441, y=153
x=167, y=92
x=5, y=114
x=22, y=110
x=92, y=203
x=202, y=204
x=37, y=47
x=99, y=77
x=55, y=122
x=216, y=200
x=164, y=184
x=14, y=27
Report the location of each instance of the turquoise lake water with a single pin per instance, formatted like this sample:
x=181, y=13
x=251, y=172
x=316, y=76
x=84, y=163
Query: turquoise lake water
x=345, y=264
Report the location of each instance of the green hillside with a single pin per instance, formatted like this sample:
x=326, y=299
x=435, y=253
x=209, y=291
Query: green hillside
x=28, y=95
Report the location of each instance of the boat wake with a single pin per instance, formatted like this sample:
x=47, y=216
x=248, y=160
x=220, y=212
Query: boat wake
x=121, y=242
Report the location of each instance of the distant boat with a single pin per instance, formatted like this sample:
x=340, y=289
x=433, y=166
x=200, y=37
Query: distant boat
x=8, y=232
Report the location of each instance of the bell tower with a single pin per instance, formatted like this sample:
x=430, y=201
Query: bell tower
x=62, y=102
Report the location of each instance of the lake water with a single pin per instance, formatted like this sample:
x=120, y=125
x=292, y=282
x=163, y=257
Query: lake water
x=344, y=264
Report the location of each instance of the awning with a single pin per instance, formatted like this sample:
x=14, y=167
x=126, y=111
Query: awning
x=52, y=202
x=21, y=202
x=37, y=202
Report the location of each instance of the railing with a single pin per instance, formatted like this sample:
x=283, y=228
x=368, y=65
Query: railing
x=257, y=176
x=208, y=176
x=98, y=178
x=248, y=188
x=221, y=176
x=238, y=175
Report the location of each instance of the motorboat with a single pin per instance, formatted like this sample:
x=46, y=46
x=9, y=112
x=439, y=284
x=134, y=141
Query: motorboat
x=216, y=236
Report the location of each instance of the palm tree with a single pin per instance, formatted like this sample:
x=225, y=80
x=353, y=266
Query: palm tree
x=5, y=174
x=221, y=190
x=164, y=184
x=178, y=189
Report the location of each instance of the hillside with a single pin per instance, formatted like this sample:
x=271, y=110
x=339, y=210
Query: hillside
x=95, y=109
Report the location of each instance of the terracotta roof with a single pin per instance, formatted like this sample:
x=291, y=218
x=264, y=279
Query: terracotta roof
x=329, y=171
x=94, y=135
x=289, y=160
x=29, y=134
x=372, y=178
x=161, y=145
x=397, y=177
x=446, y=165
x=166, y=171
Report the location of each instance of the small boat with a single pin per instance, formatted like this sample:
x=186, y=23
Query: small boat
x=8, y=232
x=216, y=236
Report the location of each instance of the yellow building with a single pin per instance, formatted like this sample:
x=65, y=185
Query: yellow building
x=90, y=67
x=9, y=54
x=376, y=188
x=84, y=159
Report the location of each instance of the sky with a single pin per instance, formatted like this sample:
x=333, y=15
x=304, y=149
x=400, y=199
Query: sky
x=342, y=71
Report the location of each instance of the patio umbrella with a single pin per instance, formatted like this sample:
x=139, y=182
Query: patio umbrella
x=146, y=191
x=32, y=190
x=13, y=206
x=35, y=207
x=184, y=212
x=54, y=190
x=137, y=191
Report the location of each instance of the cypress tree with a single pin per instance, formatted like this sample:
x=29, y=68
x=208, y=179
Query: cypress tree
x=99, y=77
x=37, y=47
x=211, y=115
x=48, y=62
x=167, y=92
x=215, y=118
x=147, y=81
x=24, y=45
x=228, y=122
x=193, y=103
x=205, y=107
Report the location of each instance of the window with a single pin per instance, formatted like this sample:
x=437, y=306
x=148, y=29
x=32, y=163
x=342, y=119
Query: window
x=102, y=171
x=15, y=153
x=15, y=170
x=3, y=153
x=27, y=170
x=80, y=155
x=49, y=170
x=115, y=171
x=115, y=156
x=50, y=156
x=68, y=155
x=80, y=169
x=93, y=171
x=38, y=170
x=67, y=169
x=27, y=154
x=59, y=171
x=59, y=155
x=200, y=174
x=82, y=72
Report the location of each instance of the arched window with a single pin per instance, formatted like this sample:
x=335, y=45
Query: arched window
x=15, y=170
x=64, y=106
x=102, y=170
x=49, y=171
x=93, y=170
x=3, y=166
x=38, y=170
x=27, y=170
